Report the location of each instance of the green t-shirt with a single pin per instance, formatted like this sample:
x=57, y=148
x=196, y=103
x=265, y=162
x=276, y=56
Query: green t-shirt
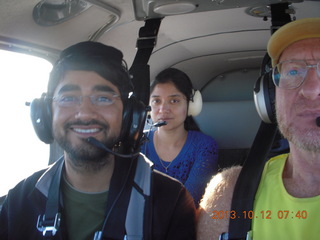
x=84, y=213
x=277, y=214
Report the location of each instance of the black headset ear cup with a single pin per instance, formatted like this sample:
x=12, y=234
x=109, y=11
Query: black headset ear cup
x=134, y=117
x=195, y=105
x=41, y=117
x=264, y=98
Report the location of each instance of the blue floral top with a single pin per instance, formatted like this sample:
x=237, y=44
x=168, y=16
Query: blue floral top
x=195, y=164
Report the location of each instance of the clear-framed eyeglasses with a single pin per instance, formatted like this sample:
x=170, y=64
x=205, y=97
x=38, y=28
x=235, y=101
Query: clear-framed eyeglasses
x=99, y=100
x=292, y=73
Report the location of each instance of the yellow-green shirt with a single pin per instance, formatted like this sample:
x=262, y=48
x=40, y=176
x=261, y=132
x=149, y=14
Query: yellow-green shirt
x=277, y=214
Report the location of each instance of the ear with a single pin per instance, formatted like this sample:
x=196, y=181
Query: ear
x=195, y=104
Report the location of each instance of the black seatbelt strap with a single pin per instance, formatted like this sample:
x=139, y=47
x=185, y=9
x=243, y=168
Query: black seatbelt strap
x=249, y=177
x=248, y=181
x=280, y=15
x=128, y=207
x=49, y=222
x=140, y=69
x=141, y=82
x=118, y=199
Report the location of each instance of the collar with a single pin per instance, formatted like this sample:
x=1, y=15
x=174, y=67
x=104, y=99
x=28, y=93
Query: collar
x=45, y=180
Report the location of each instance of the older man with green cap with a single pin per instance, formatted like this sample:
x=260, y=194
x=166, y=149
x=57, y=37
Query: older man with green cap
x=287, y=202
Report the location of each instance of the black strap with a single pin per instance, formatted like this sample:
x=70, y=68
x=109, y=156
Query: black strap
x=148, y=214
x=279, y=15
x=118, y=198
x=49, y=222
x=248, y=181
x=249, y=178
x=140, y=68
x=140, y=71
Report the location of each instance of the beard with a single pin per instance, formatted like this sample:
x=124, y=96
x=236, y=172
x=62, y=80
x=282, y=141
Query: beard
x=85, y=155
x=307, y=138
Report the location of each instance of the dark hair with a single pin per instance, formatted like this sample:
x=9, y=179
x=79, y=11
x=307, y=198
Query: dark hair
x=92, y=56
x=183, y=83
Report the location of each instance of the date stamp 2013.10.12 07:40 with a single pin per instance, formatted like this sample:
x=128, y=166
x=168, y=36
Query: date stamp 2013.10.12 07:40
x=265, y=214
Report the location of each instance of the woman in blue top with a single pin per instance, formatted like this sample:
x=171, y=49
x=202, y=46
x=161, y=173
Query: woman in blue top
x=178, y=148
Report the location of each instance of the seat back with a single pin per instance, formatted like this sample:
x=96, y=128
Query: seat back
x=233, y=124
x=229, y=114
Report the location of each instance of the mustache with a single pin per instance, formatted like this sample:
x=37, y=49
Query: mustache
x=87, y=123
x=305, y=103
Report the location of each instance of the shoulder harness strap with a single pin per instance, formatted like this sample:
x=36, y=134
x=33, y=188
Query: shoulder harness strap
x=249, y=178
x=138, y=219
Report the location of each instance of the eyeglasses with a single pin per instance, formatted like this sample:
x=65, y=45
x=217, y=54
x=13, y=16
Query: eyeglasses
x=101, y=100
x=292, y=73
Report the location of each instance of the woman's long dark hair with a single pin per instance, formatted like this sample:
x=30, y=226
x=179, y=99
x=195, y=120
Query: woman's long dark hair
x=183, y=83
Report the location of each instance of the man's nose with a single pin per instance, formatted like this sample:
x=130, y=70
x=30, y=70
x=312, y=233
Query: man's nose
x=86, y=109
x=310, y=88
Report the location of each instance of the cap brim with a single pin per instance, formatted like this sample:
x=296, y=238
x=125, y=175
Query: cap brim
x=291, y=33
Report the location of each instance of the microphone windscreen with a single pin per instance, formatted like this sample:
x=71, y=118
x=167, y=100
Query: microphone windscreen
x=318, y=121
x=160, y=124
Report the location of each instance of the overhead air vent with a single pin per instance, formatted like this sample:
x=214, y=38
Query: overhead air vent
x=53, y=12
x=264, y=11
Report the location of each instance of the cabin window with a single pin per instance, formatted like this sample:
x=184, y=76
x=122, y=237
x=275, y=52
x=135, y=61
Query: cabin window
x=23, y=78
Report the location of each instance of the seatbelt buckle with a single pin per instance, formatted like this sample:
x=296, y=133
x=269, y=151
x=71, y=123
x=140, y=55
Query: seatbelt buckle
x=127, y=237
x=225, y=236
x=48, y=227
x=146, y=42
x=97, y=235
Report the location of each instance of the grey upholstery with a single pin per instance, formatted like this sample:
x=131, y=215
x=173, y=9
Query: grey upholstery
x=227, y=122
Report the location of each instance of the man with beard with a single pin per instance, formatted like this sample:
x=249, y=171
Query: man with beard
x=287, y=202
x=89, y=193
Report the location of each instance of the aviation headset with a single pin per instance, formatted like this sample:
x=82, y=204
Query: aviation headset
x=264, y=92
x=195, y=103
x=134, y=111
